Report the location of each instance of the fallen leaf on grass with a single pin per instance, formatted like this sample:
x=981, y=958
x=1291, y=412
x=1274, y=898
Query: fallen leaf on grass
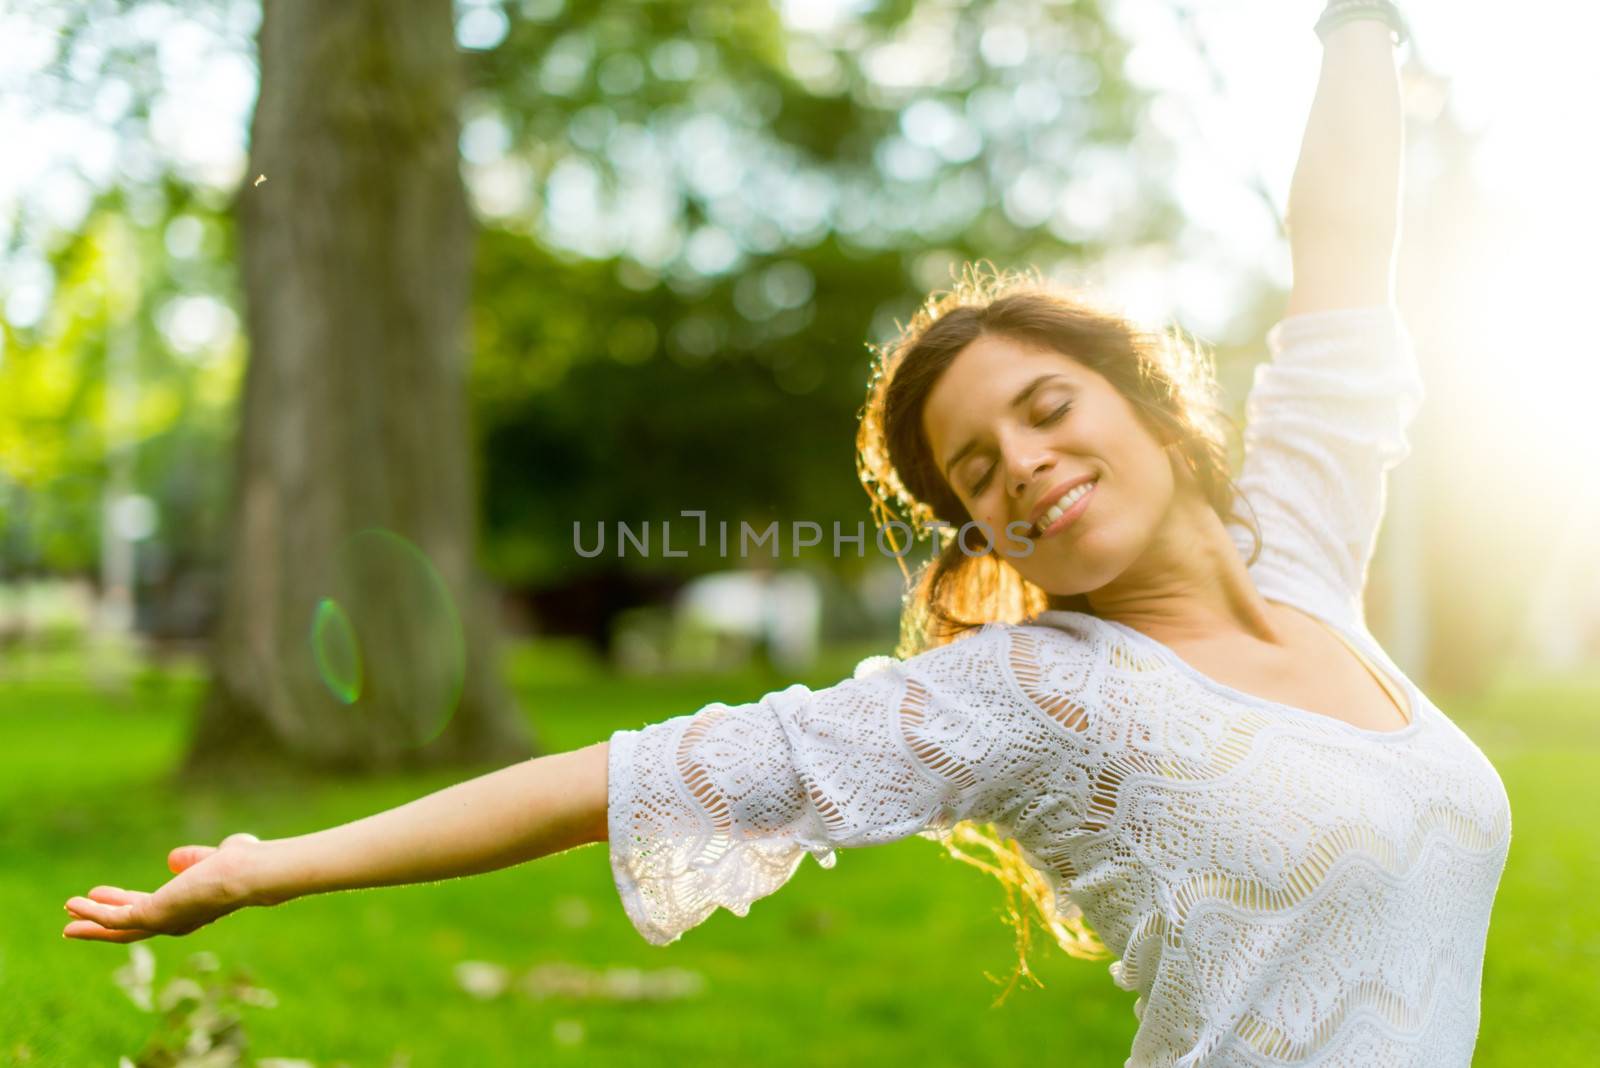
x=486, y=981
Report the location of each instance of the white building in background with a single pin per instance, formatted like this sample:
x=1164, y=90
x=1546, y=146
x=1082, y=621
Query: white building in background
x=779, y=609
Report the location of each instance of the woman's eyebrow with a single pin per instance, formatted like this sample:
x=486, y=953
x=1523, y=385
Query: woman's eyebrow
x=1016, y=402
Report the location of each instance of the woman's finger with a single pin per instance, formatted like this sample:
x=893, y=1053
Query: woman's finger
x=114, y=895
x=113, y=917
x=111, y=895
x=89, y=931
x=185, y=857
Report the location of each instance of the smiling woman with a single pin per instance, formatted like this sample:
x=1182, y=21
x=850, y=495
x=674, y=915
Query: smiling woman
x=996, y=346
x=1167, y=721
x=1007, y=394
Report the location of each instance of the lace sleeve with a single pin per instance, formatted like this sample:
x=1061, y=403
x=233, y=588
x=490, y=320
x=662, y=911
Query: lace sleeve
x=718, y=808
x=1326, y=419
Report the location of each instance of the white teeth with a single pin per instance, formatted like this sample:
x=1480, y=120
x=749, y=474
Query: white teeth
x=1055, y=511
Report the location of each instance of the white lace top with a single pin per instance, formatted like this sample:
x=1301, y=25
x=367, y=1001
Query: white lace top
x=1281, y=887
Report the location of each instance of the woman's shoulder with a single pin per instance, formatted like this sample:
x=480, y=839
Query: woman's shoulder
x=1068, y=635
x=1057, y=651
x=1076, y=626
x=1061, y=628
x=1054, y=636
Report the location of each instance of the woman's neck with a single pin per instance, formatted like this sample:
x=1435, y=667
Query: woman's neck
x=1191, y=584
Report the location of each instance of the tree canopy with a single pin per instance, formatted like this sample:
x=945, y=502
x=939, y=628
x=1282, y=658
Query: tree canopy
x=693, y=218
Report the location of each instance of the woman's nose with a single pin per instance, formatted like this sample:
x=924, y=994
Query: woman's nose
x=1025, y=471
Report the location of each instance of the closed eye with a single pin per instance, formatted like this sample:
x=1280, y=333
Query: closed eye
x=1053, y=417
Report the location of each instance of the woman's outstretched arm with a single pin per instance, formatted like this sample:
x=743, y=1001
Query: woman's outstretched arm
x=1344, y=202
x=505, y=817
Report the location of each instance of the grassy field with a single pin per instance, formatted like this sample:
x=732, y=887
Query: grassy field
x=882, y=957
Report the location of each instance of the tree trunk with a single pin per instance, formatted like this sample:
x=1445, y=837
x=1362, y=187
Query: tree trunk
x=341, y=648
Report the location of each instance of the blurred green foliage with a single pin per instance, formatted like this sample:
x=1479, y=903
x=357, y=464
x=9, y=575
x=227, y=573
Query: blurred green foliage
x=694, y=217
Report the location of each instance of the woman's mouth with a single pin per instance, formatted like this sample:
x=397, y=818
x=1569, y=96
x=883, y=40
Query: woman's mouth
x=1065, y=512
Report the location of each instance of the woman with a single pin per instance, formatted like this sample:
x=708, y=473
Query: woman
x=1156, y=684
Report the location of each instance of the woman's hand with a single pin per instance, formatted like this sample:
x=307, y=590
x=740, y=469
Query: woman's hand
x=210, y=882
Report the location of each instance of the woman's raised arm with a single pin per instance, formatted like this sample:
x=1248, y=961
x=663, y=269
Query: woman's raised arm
x=1344, y=202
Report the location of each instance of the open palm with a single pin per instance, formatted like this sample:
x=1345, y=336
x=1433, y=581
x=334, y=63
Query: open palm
x=205, y=888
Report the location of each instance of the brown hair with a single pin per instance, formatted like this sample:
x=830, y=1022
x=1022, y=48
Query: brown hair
x=1171, y=384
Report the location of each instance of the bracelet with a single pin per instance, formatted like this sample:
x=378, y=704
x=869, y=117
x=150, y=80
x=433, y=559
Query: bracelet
x=1339, y=12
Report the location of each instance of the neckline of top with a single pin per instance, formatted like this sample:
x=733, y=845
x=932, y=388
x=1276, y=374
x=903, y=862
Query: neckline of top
x=1414, y=701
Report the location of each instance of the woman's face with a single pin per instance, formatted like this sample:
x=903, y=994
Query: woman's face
x=1011, y=425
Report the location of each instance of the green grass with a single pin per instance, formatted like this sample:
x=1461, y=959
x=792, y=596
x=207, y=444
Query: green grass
x=881, y=957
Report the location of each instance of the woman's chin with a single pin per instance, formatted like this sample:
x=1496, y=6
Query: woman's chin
x=1069, y=578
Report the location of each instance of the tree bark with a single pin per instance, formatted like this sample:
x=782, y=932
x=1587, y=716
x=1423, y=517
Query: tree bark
x=356, y=256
